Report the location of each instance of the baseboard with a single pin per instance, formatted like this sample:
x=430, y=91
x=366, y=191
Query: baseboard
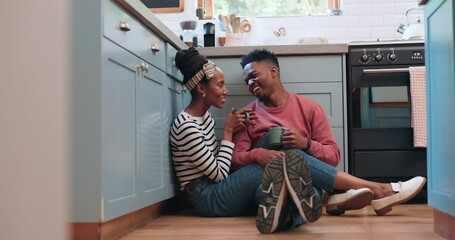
x=443, y=224
x=118, y=227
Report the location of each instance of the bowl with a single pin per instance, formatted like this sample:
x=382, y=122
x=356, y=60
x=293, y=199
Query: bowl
x=188, y=25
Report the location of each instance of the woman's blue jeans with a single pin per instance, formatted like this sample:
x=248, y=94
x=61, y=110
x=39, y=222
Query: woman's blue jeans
x=239, y=193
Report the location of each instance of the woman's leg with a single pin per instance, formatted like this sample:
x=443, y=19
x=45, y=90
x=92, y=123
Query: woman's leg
x=229, y=197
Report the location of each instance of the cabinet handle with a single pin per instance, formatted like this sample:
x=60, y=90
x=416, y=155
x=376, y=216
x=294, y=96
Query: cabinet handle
x=143, y=67
x=124, y=26
x=155, y=48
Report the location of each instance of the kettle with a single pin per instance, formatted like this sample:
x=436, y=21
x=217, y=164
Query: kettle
x=415, y=31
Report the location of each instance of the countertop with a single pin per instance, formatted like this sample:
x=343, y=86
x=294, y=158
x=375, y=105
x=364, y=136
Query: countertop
x=302, y=49
x=139, y=10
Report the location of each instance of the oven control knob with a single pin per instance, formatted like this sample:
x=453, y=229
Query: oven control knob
x=392, y=57
x=364, y=58
x=378, y=58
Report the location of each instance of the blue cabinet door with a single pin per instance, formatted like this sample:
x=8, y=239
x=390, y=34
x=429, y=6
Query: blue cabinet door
x=118, y=131
x=440, y=74
x=150, y=138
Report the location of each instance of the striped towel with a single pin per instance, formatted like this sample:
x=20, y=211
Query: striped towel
x=418, y=105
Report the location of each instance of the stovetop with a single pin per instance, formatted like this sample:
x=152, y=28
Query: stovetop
x=386, y=42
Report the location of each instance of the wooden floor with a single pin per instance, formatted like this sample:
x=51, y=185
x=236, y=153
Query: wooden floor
x=411, y=221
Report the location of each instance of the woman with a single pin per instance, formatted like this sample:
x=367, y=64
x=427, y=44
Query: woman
x=201, y=166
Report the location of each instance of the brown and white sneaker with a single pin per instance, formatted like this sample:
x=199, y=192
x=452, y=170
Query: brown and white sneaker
x=274, y=191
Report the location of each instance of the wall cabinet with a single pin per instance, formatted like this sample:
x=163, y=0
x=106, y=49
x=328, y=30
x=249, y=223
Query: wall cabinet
x=126, y=94
x=320, y=78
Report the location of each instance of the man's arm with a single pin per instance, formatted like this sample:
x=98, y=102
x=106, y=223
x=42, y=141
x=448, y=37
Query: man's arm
x=323, y=143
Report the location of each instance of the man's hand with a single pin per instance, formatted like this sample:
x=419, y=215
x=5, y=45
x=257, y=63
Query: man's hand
x=293, y=139
x=268, y=155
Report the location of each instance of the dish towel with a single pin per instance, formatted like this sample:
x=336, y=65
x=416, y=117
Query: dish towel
x=418, y=105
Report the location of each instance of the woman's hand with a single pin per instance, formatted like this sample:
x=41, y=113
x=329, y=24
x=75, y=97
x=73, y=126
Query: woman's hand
x=238, y=120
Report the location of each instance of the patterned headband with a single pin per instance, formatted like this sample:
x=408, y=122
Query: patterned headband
x=207, y=70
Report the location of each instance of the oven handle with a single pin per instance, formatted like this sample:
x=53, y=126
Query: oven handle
x=385, y=70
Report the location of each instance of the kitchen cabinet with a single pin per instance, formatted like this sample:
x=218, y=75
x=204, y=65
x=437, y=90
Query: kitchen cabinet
x=440, y=76
x=321, y=78
x=125, y=95
x=135, y=160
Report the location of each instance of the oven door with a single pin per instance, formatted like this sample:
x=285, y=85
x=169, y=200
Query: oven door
x=380, y=108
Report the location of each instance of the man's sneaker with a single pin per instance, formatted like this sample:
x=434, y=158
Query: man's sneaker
x=300, y=187
x=273, y=190
x=351, y=200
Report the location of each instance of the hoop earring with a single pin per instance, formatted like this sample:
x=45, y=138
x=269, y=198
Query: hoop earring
x=203, y=94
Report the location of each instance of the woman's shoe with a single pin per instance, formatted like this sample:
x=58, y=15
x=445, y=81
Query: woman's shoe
x=405, y=191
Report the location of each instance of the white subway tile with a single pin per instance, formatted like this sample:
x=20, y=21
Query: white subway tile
x=383, y=9
x=360, y=10
x=347, y=2
x=393, y=20
x=383, y=33
x=359, y=33
x=336, y=33
x=371, y=21
x=347, y=21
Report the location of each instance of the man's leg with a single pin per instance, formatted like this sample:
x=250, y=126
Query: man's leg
x=324, y=177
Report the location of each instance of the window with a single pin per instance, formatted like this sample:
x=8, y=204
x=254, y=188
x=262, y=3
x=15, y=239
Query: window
x=266, y=8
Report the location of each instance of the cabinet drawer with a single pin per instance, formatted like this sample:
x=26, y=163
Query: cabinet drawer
x=171, y=68
x=325, y=68
x=377, y=164
x=139, y=40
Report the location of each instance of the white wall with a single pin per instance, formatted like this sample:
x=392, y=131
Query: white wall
x=361, y=20
x=34, y=68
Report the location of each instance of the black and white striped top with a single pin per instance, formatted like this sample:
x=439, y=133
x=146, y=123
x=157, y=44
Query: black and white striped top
x=195, y=150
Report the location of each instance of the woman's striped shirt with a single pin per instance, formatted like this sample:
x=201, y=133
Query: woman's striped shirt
x=195, y=150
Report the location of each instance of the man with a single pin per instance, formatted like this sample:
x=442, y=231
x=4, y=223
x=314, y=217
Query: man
x=306, y=129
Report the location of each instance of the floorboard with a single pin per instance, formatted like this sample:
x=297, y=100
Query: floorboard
x=409, y=221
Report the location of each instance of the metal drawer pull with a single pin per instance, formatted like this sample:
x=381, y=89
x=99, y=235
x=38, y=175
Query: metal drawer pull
x=385, y=70
x=155, y=48
x=124, y=26
x=144, y=67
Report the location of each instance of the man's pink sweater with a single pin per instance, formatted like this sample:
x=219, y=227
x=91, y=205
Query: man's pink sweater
x=298, y=113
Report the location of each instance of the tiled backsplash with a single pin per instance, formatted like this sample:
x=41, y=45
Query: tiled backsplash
x=360, y=20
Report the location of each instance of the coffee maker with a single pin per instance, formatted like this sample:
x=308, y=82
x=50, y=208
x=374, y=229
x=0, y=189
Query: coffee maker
x=209, y=34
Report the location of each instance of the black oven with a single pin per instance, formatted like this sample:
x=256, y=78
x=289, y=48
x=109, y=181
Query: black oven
x=380, y=136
